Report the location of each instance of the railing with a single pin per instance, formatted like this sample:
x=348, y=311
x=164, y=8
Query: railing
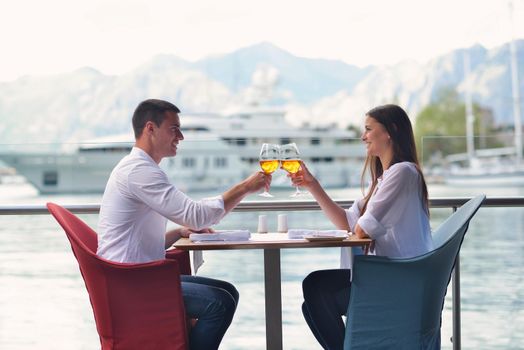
x=275, y=205
x=284, y=205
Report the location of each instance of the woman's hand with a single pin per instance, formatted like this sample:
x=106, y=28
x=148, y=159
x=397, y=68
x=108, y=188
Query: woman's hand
x=303, y=177
x=360, y=233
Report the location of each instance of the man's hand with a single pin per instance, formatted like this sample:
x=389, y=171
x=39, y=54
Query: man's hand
x=182, y=232
x=185, y=232
x=257, y=181
x=253, y=183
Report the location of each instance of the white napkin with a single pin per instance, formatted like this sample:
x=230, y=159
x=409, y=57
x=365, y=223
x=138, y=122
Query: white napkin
x=222, y=235
x=301, y=233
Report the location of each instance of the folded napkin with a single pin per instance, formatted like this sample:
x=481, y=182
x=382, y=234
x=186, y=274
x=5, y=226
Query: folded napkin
x=222, y=235
x=198, y=260
x=302, y=233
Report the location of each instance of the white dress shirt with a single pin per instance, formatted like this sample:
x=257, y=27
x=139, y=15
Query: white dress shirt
x=138, y=200
x=395, y=216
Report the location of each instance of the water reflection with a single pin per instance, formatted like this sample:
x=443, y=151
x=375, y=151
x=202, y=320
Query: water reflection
x=44, y=304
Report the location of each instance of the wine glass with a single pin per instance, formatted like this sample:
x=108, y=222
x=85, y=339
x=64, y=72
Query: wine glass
x=290, y=158
x=269, y=154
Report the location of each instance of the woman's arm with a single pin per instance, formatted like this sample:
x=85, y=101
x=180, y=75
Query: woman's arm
x=335, y=213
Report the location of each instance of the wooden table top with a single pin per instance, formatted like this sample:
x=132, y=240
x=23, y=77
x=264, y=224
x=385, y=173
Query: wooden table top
x=269, y=241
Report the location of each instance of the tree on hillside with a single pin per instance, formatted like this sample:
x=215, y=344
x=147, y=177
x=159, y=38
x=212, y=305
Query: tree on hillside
x=440, y=127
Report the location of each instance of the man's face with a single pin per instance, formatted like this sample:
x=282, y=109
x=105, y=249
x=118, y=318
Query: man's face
x=168, y=135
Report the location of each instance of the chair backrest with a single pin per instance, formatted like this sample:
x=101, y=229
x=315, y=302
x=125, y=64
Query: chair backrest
x=397, y=303
x=136, y=306
x=81, y=234
x=454, y=222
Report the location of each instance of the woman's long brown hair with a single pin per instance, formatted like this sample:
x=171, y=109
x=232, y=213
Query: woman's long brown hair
x=397, y=124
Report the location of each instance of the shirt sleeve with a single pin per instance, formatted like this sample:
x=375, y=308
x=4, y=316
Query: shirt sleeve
x=353, y=213
x=152, y=186
x=386, y=206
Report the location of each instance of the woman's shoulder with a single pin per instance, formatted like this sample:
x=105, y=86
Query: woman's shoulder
x=403, y=168
x=402, y=171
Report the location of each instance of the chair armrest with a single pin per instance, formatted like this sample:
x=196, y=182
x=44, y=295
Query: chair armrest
x=182, y=256
x=145, y=296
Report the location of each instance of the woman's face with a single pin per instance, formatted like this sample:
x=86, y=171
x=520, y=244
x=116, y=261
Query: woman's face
x=376, y=138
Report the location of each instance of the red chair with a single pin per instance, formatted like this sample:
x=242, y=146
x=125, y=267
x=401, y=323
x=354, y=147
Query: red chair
x=136, y=306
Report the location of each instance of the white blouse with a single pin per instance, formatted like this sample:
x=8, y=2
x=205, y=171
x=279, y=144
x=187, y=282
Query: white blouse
x=395, y=216
x=138, y=200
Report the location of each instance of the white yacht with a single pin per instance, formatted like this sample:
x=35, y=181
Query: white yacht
x=217, y=152
x=489, y=168
x=205, y=163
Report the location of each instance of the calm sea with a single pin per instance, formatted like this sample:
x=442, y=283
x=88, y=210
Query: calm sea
x=44, y=304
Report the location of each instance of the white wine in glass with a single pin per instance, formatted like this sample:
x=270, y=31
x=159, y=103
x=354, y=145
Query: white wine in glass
x=269, y=154
x=290, y=158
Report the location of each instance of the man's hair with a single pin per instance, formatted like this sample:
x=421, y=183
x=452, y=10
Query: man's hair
x=151, y=110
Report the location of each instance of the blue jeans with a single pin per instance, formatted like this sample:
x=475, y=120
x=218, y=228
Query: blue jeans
x=326, y=300
x=213, y=303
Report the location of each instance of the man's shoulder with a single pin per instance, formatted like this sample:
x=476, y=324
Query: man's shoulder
x=133, y=162
x=139, y=169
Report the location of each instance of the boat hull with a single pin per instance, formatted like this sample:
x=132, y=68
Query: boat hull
x=79, y=174
x=515, y=178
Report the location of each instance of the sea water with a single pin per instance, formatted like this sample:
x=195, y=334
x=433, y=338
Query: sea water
x=44, y=304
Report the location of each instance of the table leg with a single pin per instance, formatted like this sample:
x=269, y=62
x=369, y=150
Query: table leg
x=273, y=294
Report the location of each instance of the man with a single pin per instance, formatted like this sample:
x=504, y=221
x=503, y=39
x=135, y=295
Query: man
x=139, y=199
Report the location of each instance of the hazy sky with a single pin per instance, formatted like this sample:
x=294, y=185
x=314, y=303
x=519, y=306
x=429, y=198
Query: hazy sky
x=114, y=36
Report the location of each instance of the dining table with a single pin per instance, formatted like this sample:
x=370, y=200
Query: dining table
x=272, y=243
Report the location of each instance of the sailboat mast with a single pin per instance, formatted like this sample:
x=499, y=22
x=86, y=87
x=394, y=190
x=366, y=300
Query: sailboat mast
x=515, y=91
x=470, y=147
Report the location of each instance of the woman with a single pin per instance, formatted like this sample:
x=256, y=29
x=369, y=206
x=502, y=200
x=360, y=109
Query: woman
x=394, y=212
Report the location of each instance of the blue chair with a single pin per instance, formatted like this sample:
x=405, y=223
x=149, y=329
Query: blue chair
x=397, y=303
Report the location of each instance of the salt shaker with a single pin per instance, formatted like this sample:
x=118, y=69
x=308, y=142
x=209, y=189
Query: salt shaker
x=262, y=224
x=282, y=223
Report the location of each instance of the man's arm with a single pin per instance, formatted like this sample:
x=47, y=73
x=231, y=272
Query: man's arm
x=231, y=197
x=253, y=183
x=335, y=213
x=173, y=236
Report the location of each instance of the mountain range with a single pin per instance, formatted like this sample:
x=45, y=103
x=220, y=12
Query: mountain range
x=85, y=103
